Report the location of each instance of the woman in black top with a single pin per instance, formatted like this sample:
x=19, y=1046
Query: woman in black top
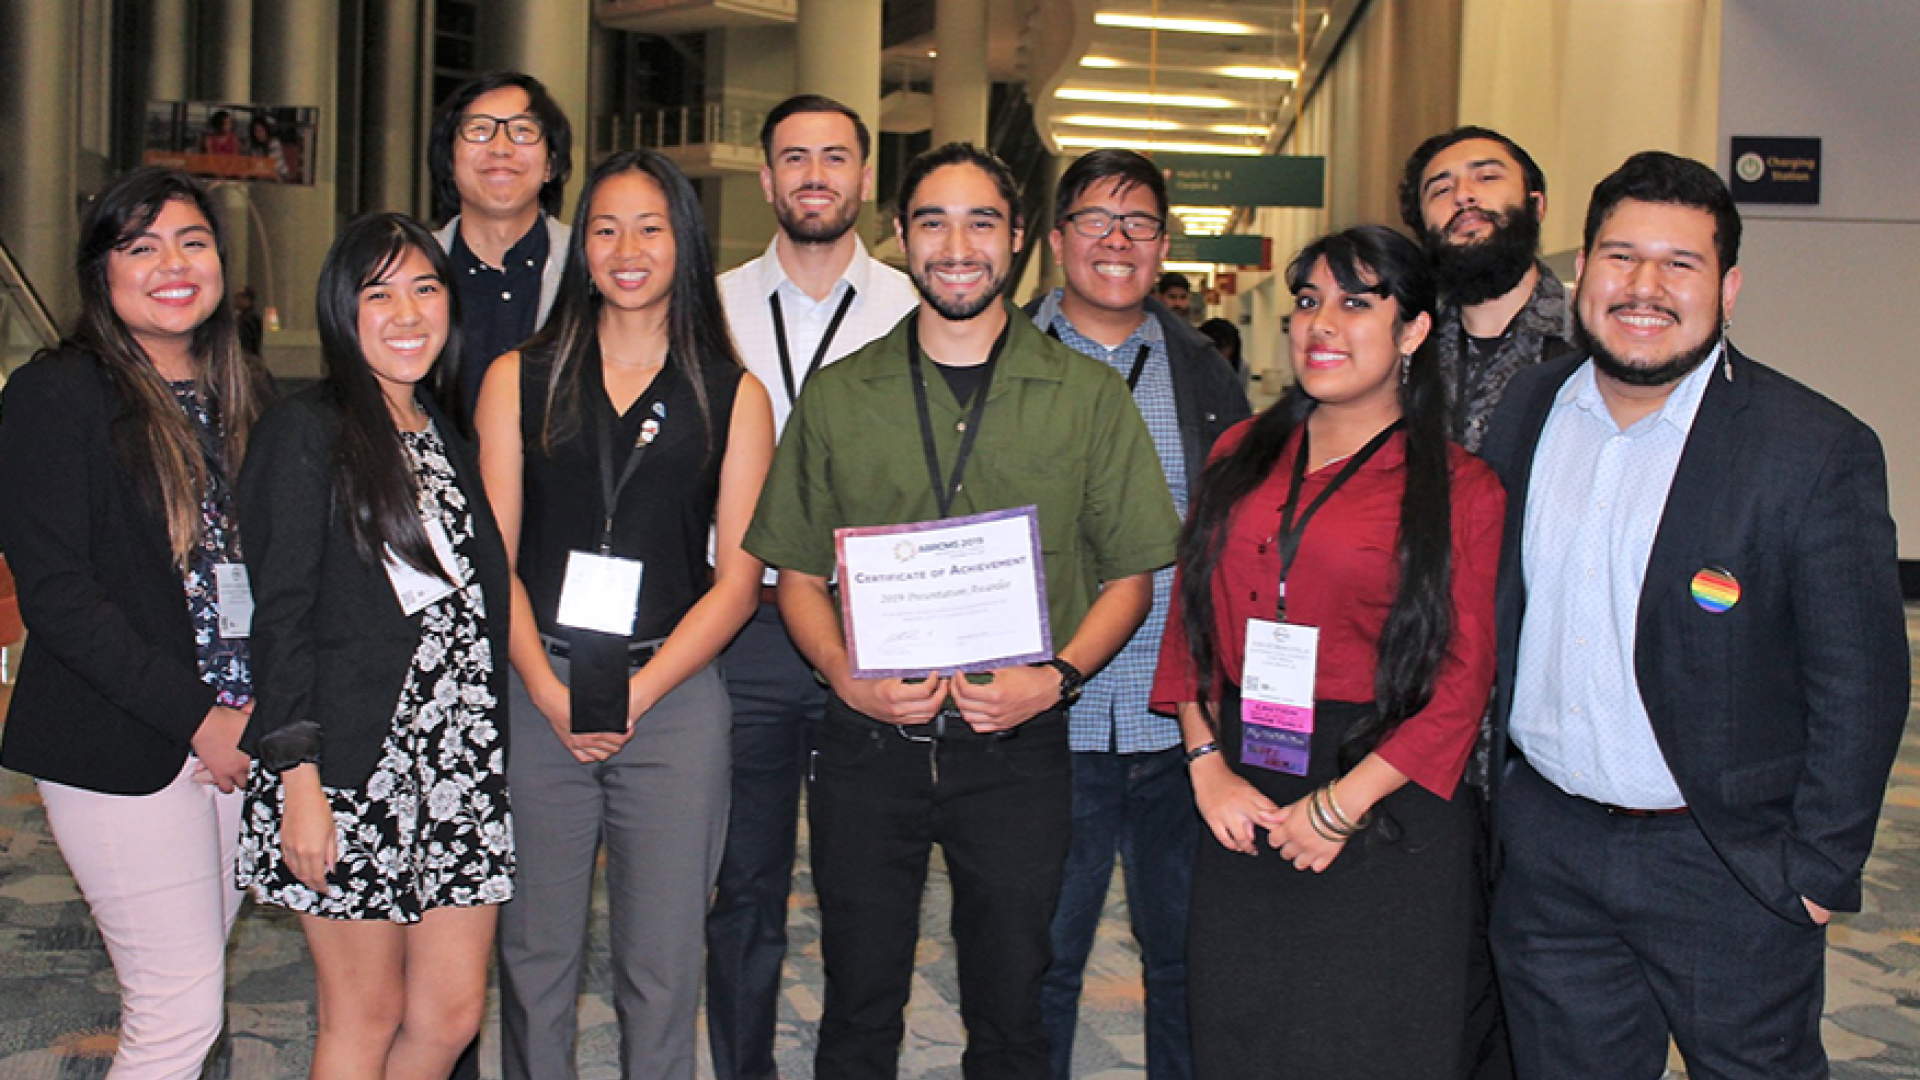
x=612, y=444
x=115, y=459
x=378, y=807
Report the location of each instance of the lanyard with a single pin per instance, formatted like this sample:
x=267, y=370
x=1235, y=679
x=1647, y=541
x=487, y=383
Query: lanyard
x=945, y=490
x=1291, y=531
x=610, y=488
x=819, y=353
x=1139, y=359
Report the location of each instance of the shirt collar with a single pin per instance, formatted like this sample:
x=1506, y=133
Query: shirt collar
x=535, y=245
x=1682, y=405
x=773, y=276
x=1049, y=315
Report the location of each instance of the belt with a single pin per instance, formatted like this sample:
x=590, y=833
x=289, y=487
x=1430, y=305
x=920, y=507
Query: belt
x=947, y=725
x=769, y=594
x=1616, y=811
x=637, y=654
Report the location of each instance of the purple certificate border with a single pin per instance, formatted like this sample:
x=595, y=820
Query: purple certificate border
x=1032, y=516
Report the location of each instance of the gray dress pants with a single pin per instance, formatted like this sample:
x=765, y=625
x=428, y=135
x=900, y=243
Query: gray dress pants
x=660, y=808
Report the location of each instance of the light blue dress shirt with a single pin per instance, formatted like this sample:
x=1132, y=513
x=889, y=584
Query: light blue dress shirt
x=1112, y=711
x=1594, y=504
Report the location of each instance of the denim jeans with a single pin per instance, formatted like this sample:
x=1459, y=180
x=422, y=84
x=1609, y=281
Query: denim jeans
x=1139, y=806
x=999, y=809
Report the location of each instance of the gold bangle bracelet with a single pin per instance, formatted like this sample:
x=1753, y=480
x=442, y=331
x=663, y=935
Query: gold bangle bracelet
x=1332, y=803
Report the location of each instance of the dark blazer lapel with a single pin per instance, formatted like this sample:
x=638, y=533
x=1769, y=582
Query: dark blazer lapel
x=1700, y=485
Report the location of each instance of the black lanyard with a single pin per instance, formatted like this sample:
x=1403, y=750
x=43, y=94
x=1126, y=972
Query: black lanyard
x=1139, y=359
x=819, y=353
x=1291, y=531
x=610, y=488
x=945, y=489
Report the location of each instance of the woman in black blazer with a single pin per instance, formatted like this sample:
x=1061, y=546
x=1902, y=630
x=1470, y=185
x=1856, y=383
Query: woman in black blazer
x=377, y=808
x=115, y=513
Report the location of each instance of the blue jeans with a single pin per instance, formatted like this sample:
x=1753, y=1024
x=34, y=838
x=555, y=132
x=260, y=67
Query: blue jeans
x=1139, y=806
x=998, y=808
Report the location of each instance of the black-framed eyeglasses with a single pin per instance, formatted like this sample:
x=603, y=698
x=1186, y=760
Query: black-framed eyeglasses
x=1099, y=224
x=522, y=130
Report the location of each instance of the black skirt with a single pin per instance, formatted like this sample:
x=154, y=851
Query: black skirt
x=1357, y=973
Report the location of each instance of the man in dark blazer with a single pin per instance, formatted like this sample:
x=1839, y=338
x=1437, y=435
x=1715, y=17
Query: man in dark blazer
x=1703, y=666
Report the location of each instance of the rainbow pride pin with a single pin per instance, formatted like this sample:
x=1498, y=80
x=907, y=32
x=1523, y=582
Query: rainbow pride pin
x=1715, y=590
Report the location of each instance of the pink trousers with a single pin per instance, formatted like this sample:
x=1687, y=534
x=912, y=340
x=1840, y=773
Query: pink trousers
x=157, y=871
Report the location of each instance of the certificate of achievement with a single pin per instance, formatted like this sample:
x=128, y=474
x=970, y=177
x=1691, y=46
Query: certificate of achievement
x=959, y=594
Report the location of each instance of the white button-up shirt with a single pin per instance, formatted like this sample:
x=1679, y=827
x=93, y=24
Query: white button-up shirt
x=882, y=296
x=1594, y=505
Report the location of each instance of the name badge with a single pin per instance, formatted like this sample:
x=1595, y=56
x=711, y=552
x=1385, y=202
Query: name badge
x=1276, y=695
x=415, y=590
x=600, y=593
x=233, y=599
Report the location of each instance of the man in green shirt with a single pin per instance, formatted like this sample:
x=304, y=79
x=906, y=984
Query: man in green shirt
x=979, y=766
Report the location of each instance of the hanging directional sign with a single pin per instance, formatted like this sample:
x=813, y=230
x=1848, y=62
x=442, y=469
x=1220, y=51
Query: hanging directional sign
x=1239, y=249
x=1226, y=180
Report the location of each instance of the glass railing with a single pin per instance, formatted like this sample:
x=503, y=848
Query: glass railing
x=25, y=327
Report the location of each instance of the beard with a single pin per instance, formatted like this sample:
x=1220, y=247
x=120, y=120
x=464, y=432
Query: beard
x=951, y=309
x=803, y=228
x=1470, y=274
x=1670, y=369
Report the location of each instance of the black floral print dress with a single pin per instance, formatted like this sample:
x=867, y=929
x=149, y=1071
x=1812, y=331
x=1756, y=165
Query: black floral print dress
x=432, y=827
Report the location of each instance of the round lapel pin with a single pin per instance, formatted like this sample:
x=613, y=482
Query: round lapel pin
x=1715, y=589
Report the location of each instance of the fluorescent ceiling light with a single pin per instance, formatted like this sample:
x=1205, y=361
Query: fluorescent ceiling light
x=1132, y=97
x=1258, y=131
x=1180, y=26
x=1094, y=142
x=1189, y=267
x=1273, y=73
x=1138, y=123
x=1100, y=62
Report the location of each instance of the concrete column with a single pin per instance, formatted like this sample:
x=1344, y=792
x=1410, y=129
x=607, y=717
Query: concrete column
x=393, y=111
x=837, y=53
x=39, y=51
x=226, y=74
x=960, y=85
x=169, y=50
x=295, y=62
x=551, y=41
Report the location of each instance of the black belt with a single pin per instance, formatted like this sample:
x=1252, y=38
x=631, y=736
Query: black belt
x=637, y=654
x=946, y=725
x=1616, y=811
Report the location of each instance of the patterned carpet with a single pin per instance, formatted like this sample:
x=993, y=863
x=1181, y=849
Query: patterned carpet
x=58, y=1010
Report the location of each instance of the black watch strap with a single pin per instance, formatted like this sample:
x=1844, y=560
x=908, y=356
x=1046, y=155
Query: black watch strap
x=1071, y=681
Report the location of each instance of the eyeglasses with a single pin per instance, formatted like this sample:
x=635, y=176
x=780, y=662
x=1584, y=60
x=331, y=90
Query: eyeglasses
x=1099, y=224
x=522, y=130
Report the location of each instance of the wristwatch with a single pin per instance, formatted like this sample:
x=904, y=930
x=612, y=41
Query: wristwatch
x=1071, y=681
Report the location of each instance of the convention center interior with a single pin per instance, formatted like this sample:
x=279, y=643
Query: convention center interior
x=303, y=128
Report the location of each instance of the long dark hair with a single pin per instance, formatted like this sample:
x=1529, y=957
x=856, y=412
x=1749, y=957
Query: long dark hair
x=696, y=326
x=371, y=478
x=153, y=435
x=1420, y=622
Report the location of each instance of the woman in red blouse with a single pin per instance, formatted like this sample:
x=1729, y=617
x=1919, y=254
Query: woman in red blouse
x=1334, y=899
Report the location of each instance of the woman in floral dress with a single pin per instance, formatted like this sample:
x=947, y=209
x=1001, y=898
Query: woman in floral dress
x=377, y=807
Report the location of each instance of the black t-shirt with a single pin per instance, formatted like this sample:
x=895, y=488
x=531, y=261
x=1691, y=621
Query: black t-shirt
x=664, y=512
x=499, y=306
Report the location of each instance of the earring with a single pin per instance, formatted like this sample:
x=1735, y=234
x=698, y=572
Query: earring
x=1406, y=360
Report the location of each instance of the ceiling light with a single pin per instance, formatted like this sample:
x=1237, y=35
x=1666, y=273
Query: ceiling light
x=1181, y=26
x=1258, y=131
x=1094, y=142
x=1131, y=97
x=1083, y=120
x=1190, y=267
x=1272, y=73
x=1100, y=62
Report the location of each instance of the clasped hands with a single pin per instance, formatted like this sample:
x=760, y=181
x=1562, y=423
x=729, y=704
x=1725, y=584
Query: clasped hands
x=999, y=700
x=1236, y=811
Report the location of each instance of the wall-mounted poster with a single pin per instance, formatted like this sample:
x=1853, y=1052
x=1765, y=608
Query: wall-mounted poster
x=266, y=144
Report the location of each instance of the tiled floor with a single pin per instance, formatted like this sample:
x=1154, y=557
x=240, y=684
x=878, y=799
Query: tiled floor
x=57, y=1001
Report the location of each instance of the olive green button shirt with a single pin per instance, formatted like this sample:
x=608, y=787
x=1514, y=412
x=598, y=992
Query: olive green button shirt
x=1060, y=432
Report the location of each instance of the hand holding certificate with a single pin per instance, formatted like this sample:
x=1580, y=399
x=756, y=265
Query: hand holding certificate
x=959, y=594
